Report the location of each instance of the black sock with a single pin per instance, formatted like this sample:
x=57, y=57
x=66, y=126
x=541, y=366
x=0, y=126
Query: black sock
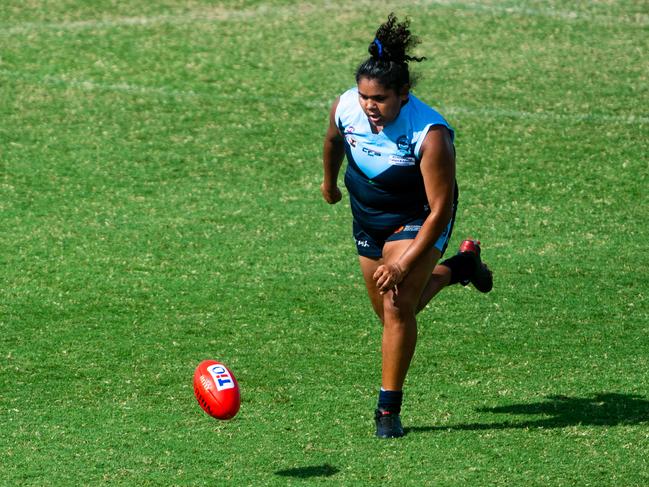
x=390, y=401
x=462, y=268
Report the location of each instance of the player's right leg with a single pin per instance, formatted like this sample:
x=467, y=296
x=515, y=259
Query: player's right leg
x=370, y=248
x=368, y=267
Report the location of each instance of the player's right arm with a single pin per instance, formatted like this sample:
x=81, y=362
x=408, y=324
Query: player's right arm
x=333, y=154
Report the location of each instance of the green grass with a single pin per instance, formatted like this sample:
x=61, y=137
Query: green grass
x=159, y=205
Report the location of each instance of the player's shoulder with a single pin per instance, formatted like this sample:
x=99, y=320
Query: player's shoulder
x=423, y=110
x=423, y=118
x=350, y=93
x=347, y=104
x=349, y=98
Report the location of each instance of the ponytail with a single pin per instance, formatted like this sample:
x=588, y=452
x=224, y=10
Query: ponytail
x=389, y=58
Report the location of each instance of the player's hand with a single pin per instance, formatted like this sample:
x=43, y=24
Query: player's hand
x=388, y=277
x=331, y=195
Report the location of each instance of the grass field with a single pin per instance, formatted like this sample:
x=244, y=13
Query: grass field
x=159, y=205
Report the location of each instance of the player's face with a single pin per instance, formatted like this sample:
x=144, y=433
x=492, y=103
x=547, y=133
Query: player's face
x=381, y=105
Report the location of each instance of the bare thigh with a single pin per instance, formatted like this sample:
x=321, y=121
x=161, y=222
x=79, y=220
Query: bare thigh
x=368, y=267
x=411, y=288
x=413, y=285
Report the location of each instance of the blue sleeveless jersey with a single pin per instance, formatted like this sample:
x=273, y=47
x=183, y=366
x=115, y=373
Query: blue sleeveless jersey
x=383, y=178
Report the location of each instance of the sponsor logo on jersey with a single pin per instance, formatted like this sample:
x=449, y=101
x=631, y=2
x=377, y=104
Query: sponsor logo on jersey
x=408, y=228
x=221, y=376
x=371, y=152
x=411, y=228
x=402, y=160
x=351, y=140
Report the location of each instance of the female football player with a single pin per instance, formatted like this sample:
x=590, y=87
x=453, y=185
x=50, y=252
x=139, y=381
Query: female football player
x=401, y=181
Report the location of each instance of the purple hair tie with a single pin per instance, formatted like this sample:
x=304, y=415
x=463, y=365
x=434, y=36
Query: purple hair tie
x=380, y=47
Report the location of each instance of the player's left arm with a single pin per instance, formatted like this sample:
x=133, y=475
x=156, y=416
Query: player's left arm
x=438, y=171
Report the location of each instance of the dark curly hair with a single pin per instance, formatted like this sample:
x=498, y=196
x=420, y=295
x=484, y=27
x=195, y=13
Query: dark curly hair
x=388, y=61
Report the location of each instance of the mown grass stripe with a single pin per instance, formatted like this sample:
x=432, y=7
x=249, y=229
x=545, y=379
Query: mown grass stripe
x=554, y=116
x=567, y=15
x=491, y=112
x=215, y=14
x=218, y=14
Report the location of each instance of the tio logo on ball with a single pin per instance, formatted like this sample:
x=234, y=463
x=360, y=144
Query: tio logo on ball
x=222, y=378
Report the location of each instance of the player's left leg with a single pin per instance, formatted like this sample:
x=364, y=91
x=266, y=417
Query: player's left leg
x=399, y=335
x=399, y=310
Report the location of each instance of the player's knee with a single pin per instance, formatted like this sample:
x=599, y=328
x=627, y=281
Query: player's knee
x=398, y=308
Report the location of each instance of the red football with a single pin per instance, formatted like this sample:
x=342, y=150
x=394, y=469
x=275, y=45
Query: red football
x=216, y=390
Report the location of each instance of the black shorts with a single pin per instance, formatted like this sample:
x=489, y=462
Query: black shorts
x=369, y=243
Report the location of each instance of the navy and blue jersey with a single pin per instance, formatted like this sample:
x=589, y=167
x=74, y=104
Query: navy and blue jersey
x=383, y=177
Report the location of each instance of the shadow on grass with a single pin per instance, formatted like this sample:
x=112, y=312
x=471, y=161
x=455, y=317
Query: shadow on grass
x=325, y=470
x=606, y=409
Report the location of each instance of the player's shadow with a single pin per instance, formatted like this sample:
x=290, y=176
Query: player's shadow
x=605, y=409
x=325, y=470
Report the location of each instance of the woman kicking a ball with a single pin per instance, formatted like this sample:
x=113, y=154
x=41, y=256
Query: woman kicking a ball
x=401, y=180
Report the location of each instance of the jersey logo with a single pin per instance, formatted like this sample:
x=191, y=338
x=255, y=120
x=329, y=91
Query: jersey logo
x=403, y=144
x=362, y=243
x=408, y=228
x=402, y=160
x=371, y=152
x=350, y=139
